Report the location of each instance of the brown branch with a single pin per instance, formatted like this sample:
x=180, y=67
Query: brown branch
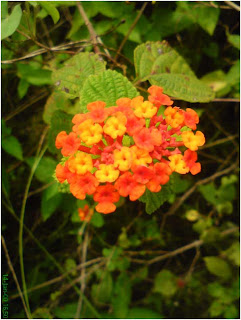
x=60, y=278
x=94, y=37
x=130, y=30
x=14, y=276
x=217, y=142
x=186, y=195
x=189, y=246
x=233, y=5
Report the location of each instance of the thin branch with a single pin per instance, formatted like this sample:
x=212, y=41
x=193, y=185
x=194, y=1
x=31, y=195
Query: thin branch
x=130, y=30
x=82, y=277
x=189, y=246
x=217, y=142
x=233, y=5
x=94, y=37
x=14, y=276
x=186, y=195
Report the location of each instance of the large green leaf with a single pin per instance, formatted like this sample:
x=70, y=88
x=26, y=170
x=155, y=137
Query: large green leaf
x=109, y=86
x=60, y=121
x=218, y=267
x=163, y=66
x=71, y=77
x=50, y=9
x=11, y=145
x=45, y=169
x=11, y=22
x=154, y=200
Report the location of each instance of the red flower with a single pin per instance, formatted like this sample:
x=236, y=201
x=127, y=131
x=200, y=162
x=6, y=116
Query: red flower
x=190, y=157
x=98, y=112
x=60, y=139
x=85, y=184
x=191, y=118
x=106, y=195
x=70, y=145
x=134, y=124
x=158, y=98
x=126, y=185
x=85, y=213
x=143, y=139
x=162, y=172
x=142, y=174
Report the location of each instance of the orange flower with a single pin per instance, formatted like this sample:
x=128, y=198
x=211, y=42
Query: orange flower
x=61, y=173
x=174, y=116
x=144, y=140
x=106, y=195
x=143, y=109
x=85, y=213
x=107, y=173
x=115, y=125
x=83, y=185
x=140, y=156
x=126, y=185
x=80, y=163
x=90, y=132
x=98, y=112
x=190, y=157
x=162, y=171
x=60, y=139
x=123, y=158
x=134, y=124
x=158, y=98
x=192, y=141
x=191, y=118
x=142, y=174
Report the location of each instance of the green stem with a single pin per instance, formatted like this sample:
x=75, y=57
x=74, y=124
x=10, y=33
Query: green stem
x=35, y=165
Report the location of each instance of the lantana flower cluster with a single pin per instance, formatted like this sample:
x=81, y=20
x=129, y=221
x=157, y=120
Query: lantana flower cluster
x=128, y=148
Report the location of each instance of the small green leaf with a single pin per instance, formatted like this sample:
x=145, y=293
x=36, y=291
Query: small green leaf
x=121, y=296
x=233, y=253
x=97, y=220
x=209, y=193
x=101, y=292
x=51, y=199
x=234, y=39
x=45, y=169
x=50, y=9
x=11, y=145
x=69, y=265
x=72, y=76
x=233, y=75
x=108, y=86
x=10, y=23
x=22, y=88
x=165, y=283
x=60, y=121
x=56, y=101
x=154, y=200
x=218, y=267
x=33, y=74
x=206, y=17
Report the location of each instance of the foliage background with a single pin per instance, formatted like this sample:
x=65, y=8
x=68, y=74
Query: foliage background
x=182, y=260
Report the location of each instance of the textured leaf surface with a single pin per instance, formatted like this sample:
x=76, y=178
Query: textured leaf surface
x=184, y=87
x=60, y=121
x=154, y=200
x=71, y=77
x=218, y=267
x=163, y=66
x=108, y=87
x=10, y=23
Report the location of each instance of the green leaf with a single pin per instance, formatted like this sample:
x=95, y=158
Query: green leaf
x=234, y=39
x=231, y=312
x=60, y=121
x=71, y=77
x=66, y=311
x=216, y=308
x=121, y=296
x=217, y=81
x=10, y=23
x=23, y=86
x=109, y=86
x=233, y=253
x=51, y=199
x=101, y=292
x=97, y=220
x=69, y=265
x=180, y=184
x=184, y=87
x=143, y=313
x=56, y=101
x=206, y=17
x=216, y=290
x=11, y=145
x=233, y=75
x=209, y=193
x=33, y=74
x=154, y=200
x=4, y=9
x=45, y=169
x=218, y=267
x=165, y=283
x=163, y=66
x=50, y=9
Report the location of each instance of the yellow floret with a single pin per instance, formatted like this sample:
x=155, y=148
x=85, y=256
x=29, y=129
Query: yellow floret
x=107, y=173
x=145, y=110
x=177, y=164
x=89, y=132
x=192, y=141
x=123, y=158
x=81, y=163
x=115, y=126
x=140, y=156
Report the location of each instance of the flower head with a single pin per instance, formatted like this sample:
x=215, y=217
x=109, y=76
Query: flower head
x=106, y=196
